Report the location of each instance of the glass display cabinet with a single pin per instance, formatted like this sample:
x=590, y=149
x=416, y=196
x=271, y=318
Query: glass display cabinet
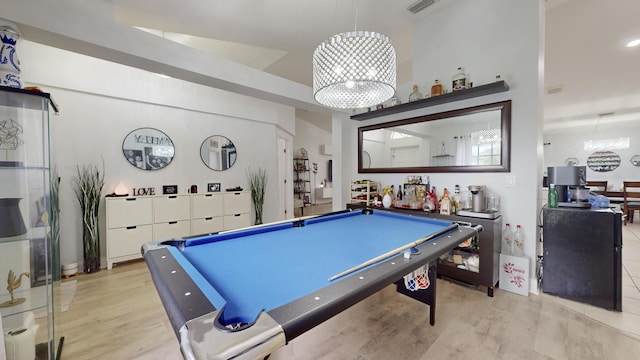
x=29, y=256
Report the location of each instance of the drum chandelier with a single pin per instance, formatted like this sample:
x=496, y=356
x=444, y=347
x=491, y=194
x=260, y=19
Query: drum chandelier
x=355, y=69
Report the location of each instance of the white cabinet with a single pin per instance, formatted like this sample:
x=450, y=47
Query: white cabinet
x=168, y=208
x=171, y=230
x=237, y=210
x=133, y=221
x=324, y=192
x=171, y=217
x=129, y=211
x=207, y=213
x=129, y=225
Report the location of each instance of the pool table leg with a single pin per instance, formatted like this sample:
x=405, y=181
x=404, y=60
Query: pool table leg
x=425, y=296
x=432, y=306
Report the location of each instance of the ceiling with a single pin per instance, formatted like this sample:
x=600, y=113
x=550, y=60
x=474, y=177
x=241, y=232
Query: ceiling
x=588, y=69
x=277, y=36
x=586, y=56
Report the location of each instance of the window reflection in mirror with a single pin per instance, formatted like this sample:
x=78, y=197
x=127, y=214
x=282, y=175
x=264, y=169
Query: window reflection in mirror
x=473, y=139
x=218, y=152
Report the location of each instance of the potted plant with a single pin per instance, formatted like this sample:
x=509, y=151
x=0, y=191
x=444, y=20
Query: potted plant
x=258, y=184
x=87, y=184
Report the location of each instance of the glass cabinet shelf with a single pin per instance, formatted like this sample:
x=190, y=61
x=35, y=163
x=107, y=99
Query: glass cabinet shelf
x=35, y=299
x=31, y=234
x=28, y=242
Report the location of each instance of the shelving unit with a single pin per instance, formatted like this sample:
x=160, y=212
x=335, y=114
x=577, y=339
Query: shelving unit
x=482, y=90
x=302, y=179
x=28, y=241
x=362, y=191
x=487, y=248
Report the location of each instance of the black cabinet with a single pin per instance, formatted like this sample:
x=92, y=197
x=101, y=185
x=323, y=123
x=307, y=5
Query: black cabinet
x=487, y=250
x=583, y=255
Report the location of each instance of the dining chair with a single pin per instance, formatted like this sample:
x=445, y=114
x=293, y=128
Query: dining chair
x=631, y=201
x=599, y=187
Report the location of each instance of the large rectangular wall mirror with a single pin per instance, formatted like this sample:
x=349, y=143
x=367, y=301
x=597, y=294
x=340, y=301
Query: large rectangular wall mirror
x=474, y=139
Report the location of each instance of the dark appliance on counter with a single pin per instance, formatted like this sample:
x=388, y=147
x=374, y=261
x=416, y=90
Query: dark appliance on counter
x=583, y=255
x=570, y=184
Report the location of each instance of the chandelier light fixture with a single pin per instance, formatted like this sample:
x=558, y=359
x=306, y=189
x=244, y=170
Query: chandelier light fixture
x=354, y=69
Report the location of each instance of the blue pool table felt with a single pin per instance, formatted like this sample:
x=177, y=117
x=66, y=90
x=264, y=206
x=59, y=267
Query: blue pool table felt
x=261, y=270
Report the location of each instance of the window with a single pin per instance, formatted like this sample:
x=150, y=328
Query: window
x=485, y=147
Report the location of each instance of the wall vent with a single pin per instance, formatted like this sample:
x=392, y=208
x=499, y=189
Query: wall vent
x=420, y=5
x=555, y=89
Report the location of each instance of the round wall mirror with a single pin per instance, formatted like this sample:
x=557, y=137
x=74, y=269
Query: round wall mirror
x=218, y=152
x=148, y=149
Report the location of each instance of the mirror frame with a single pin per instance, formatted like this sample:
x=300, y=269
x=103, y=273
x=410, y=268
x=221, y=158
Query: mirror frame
x=505, y=129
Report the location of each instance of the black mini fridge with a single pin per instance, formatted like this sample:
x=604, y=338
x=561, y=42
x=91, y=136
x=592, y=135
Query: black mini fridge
x=583, y=255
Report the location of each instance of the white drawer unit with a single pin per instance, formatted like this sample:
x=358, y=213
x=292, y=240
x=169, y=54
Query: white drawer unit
x=237, y=221
x=129, y=225
x=206, y=205
x=237, y=203
x=171, y=230
x=129, y=211
x=171, y=208
x=208, y=225
x=237, y=210
x=207, y=211
x=133, y=221
x=124, y=243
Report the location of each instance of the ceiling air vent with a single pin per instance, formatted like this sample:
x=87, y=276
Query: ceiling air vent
x=555, y=89
x=420, y=5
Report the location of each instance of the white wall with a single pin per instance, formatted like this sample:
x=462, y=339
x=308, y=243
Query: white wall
x=568, y=142
x=487, y=38
x=311, y=138
x=101, y=102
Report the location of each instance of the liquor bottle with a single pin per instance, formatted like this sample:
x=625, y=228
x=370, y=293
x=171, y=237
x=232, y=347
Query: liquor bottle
x=445, y=203
x=436, y=89
x=552, y=198
x=434, y=198
x=459, y=80
x=507, y=238
x=415, y=95
x=518, y=242
x=399, y=195
x=455, y=200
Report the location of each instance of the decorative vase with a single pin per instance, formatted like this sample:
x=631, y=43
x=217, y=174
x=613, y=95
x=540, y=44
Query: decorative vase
x=258, y=209
x=87, y=183
x=386, y=201
x=9, y=62
x=258, y=184
x=91, y=247
x=11, y=222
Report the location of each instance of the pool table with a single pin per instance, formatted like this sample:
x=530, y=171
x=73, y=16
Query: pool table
x=243, y=294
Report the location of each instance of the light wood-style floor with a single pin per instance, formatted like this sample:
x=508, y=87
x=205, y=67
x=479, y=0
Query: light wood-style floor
x=117, y=314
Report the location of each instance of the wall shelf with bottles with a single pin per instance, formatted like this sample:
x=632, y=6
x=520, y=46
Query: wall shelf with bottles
x=482, y=90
